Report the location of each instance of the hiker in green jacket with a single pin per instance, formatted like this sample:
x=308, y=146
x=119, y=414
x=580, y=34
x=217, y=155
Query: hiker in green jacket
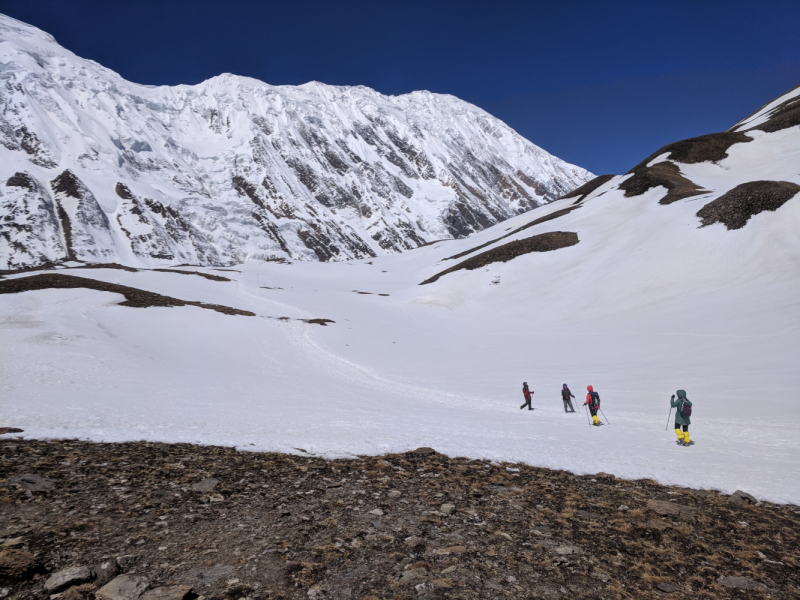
x=682, y=403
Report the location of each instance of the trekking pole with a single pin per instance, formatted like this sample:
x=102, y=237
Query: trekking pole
x=604, y=415
x=588, y=420
x=669, y=418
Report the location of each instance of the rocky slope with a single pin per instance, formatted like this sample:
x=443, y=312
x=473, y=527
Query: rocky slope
x=97, y=169
x=744, y=171
x=110, y=520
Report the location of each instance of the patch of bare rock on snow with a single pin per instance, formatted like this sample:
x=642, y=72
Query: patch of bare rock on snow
x=176, y=522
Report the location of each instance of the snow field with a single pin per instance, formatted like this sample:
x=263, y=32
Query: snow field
x=442, y=365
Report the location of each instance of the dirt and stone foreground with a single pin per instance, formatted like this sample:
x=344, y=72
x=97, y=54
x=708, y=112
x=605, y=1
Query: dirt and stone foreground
x=83, y=521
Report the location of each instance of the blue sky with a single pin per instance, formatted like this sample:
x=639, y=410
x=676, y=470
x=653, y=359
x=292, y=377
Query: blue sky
x=599, y=84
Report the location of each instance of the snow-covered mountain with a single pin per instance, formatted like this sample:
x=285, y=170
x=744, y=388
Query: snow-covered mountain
x=98, y=169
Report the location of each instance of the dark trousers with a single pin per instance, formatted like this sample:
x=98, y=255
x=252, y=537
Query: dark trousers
x=568, y=403
x=593, y=411
x=527, y=403
x=685, y=427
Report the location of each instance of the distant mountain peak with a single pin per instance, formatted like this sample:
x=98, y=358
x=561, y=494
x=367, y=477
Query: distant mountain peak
x=234, y=168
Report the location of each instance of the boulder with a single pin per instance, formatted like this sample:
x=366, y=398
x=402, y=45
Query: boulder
x=446, y=509
x=742, y=583
x=206, y=485
x=66, y=578
x=107, y=570
x=424, y=450
x=414, y=576
x=740, y=497
x=32, y=482
x=567, y=550
x=124, y=587
x=667, y=587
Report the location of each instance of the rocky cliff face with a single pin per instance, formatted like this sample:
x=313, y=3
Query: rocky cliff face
x=99, y=169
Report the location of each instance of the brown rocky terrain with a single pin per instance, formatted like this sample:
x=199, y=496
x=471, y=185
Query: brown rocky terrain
x=735, y=207
x=133, y=296
x=83, y=521
x=543, y=242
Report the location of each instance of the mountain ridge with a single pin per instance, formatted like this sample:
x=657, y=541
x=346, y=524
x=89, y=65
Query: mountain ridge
x=234, y=168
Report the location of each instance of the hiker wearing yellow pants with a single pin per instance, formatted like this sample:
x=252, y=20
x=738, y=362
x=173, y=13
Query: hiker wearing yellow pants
x=682, y=420
x=593, y=402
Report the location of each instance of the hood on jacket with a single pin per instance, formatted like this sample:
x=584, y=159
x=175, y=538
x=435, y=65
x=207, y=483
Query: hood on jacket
x=565, y=385
x=681, y=394
x=590, y=388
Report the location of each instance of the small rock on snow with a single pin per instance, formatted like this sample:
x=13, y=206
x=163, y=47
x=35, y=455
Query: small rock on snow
x=424, y=451
x=740, y=497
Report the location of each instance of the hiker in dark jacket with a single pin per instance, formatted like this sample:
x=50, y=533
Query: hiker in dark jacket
x=680, y=420
x=527, y=393
x=593, y=401
x=565, y=396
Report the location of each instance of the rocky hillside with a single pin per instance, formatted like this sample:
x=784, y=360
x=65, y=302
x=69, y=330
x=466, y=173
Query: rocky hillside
x=97, y=169
x=744, y=171
x=104, y=521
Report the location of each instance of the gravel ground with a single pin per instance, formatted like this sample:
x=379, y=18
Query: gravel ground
x=188, y=521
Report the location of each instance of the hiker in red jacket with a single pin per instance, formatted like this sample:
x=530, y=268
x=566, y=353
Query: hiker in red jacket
x=593, y=401
x=527, y=393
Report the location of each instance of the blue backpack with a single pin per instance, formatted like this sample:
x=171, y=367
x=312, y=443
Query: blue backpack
x=595, y=399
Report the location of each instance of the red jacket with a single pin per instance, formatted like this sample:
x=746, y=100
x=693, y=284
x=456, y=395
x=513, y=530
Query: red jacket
x=527, y=393
x=589, y=397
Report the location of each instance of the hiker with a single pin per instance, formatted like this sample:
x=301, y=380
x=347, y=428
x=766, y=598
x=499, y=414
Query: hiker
x=527, y=393
x=593, y=401
x=565, y=396
x=682, y=415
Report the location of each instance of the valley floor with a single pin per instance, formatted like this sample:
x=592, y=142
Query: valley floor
x=187, y=520
x=356, y=358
